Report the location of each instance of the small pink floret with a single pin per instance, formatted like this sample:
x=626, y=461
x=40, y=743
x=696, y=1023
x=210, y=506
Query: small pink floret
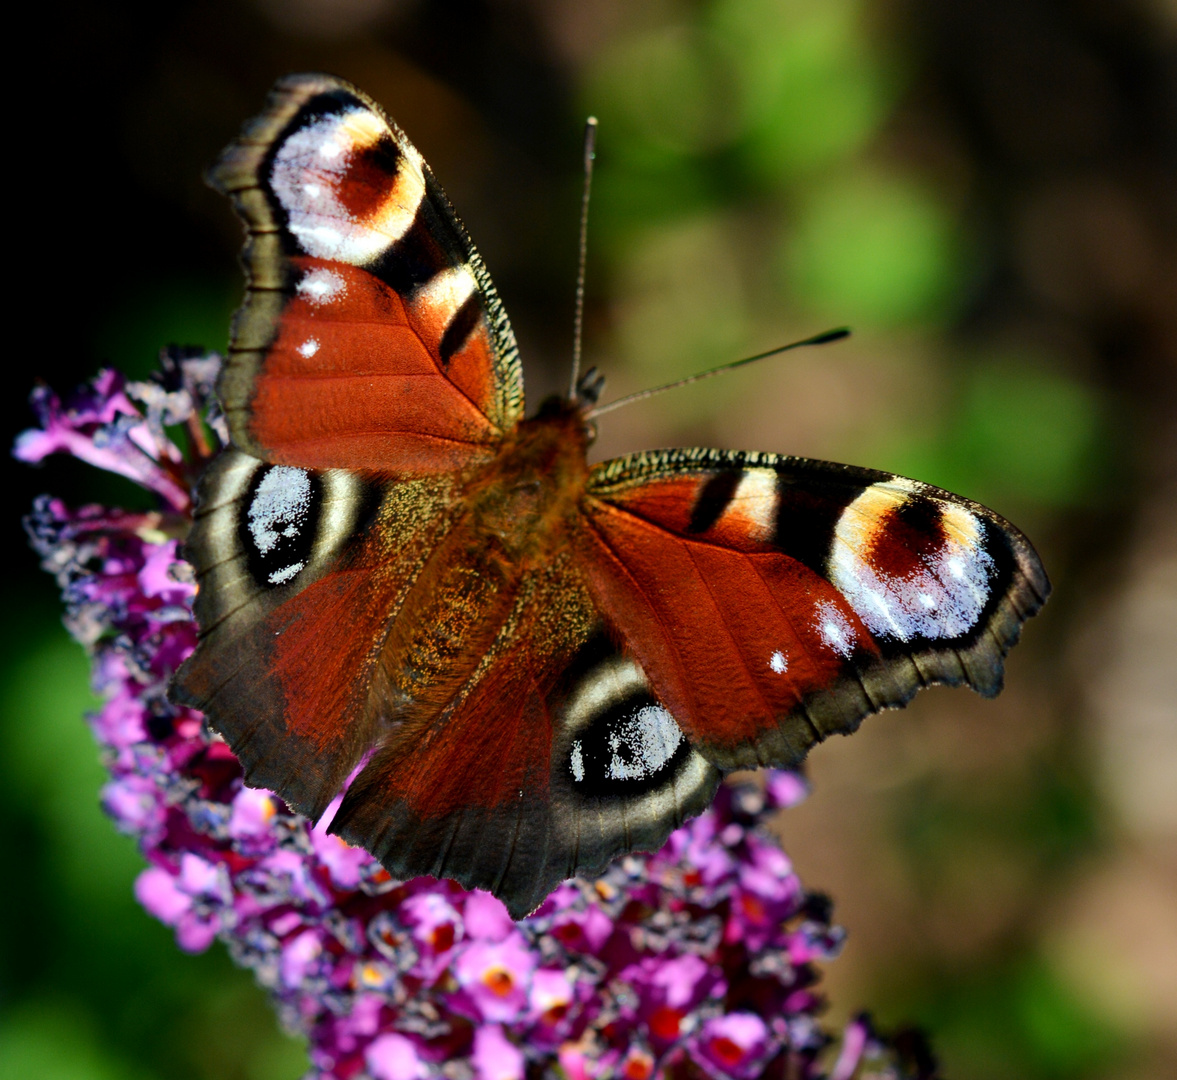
x=158, y=892
x=495, y=1057
x=394, y=1057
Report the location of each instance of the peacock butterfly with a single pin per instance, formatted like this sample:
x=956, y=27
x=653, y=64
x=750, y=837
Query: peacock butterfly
x=534, y=664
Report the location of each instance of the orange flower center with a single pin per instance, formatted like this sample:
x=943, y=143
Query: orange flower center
x=638, y=1066
x=498, y=981
x=754, y=910
x=555, y=1014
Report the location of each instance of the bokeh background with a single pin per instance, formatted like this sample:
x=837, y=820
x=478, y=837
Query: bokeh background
x=986, y=190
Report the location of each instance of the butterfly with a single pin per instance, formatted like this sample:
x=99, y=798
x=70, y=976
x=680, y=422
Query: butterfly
x=525, y=665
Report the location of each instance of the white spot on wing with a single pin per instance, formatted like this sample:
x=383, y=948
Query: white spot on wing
x=836, y=630
x=778, y=663
x=280, y=577
x=309, y=171
x=685, y=775
x=642, y=743
x=322, y=286
x=944, y=593
x=280, y=508
x=309, y=347
x=445, y=292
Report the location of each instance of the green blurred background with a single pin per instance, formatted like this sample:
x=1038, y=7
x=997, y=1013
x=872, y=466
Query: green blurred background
x=983, y=189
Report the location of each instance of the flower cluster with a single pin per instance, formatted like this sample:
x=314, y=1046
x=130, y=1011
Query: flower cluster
x=694, y=961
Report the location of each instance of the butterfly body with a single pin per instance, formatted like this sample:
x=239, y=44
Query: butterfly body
x=529, y=498
x=527, y=665
x=512, y=521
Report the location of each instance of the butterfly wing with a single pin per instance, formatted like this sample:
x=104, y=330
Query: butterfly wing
x=301, y=573
x=515, y=745
x=349, y=611
x=371, y=336
x=774, y=601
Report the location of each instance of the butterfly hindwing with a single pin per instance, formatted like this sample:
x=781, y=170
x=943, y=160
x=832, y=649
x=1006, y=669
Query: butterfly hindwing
x=508, y=742
x=553, y=758
x=371, y=336
x=775, y=601
x=301, y=573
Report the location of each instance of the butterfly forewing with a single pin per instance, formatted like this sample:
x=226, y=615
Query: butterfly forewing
x=371, y=336
x=775, y=601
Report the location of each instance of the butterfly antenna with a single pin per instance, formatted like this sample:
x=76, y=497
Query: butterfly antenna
x=590, y=145
x=817, y=339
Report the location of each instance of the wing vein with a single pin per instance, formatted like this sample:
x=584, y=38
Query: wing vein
x=727, y=630
x=657, y=614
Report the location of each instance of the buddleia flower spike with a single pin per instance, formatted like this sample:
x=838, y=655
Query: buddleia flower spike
x=695, y=961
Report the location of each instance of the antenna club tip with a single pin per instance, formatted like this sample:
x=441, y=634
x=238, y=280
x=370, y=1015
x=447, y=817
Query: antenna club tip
x=830, y=335
x=590, y=145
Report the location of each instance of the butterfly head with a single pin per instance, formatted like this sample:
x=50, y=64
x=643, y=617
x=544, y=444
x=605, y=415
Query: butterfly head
x=574, y=411
x=588, y=389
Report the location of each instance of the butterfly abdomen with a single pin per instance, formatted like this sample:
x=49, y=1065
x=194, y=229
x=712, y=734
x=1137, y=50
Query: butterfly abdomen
x=451, y=616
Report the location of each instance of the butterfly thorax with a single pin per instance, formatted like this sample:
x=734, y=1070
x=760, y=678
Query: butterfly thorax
x=529, y=496
x=515, y=529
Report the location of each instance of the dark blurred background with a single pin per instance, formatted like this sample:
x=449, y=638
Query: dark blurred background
x=986, y=191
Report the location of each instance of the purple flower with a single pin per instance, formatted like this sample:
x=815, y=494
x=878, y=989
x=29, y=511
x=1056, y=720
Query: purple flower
x=496, y=977
x=693, y=961
x=345, y=864
x=668, y=990
x=495, y=1057
x=159, y=892
x=251, y=814
x=553, y=992
x=395, y=1057
x=737, y=1044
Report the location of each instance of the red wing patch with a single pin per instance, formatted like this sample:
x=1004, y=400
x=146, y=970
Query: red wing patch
x=301, y=575
x=732, y=641
x=466, y=795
